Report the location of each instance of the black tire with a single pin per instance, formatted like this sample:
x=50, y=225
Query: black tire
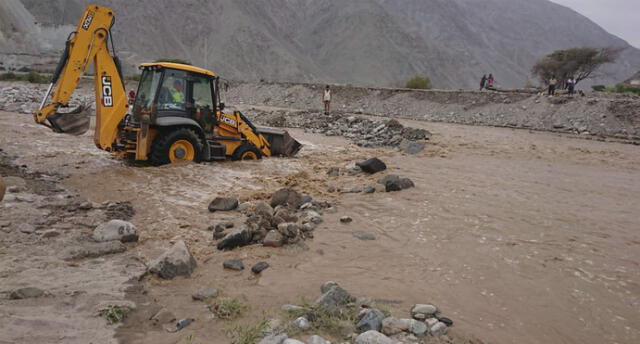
x=247, y=151
x=160, y=149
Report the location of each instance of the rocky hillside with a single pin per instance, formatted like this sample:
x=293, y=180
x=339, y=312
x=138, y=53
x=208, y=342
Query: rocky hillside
x=368, y=42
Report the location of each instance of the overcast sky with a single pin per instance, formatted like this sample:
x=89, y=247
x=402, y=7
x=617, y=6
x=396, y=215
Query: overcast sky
x=619, y=17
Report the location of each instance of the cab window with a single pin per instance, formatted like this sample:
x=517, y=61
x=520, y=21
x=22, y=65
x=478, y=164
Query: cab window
x=173, y=93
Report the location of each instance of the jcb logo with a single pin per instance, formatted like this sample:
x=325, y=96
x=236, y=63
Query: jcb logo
x=87, y=21
x=228, y=120
x=107, y=92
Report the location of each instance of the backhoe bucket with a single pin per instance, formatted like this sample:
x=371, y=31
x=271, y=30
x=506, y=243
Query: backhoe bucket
x=76, y=122
x=282, y=144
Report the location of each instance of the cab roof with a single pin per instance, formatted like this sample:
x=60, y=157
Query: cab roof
x=179, y=66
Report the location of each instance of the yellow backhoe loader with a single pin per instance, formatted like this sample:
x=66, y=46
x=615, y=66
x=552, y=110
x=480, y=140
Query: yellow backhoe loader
x=176, y=114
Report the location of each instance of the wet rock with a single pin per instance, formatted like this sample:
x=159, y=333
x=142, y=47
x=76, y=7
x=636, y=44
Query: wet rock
x=259, y=267
x=233, y=264
x=372, y=165
x=373, y=337
x=446, y=321
x=363, y=235
x=273, y=239
x=263, y=209
x=438, y=330
x=223, y=204
x=310, y=216
x=411, y=147
x=302, y=324
x=179, y=325
x=115, y=230
x=333, y=172
x=176, y=261
x=285, y=215
x=398, y=185
x=391, y=325
x=163, y=316
x=287, y=197
x=346, y=219
x=93, y=250
x=26, y=228
x=370, y=319
x=423, y=311
x=204, y=294
x=26, y=293
x=289, y=230
x=369, y=190
x=274, y=339
x=237, y=238
x=335, y=297
x=315, y=339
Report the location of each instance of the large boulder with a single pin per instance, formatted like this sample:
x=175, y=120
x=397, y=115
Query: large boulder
x=237, y=238
x=370, y=319
x=372, y=165
x=176, y=261
x=334, y=298
x=373, y=337
x=288, y=197
x=273, y=239
x=423, y=311
x=398, y=184
x=223, y=204
x=391, y=325
x=115, y=230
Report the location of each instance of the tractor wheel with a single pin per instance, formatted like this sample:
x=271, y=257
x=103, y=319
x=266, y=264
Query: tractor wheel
x=177, y=145
x=247, y=151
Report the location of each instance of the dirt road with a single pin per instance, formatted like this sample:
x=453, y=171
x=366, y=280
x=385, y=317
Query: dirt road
x=519, y=237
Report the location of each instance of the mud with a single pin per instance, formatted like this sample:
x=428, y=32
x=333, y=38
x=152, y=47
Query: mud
x=518, y=236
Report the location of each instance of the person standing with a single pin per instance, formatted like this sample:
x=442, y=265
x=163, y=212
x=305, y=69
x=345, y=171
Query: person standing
x=483, y=82
x=571, y=85
x=552, y=86
x=327, y=100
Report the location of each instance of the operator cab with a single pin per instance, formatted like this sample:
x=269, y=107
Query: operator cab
x=174, y=90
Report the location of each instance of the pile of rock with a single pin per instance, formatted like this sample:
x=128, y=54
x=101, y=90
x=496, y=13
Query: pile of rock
x=287, y=219
x=371, y=325
x=26, y=98
x=364, y=132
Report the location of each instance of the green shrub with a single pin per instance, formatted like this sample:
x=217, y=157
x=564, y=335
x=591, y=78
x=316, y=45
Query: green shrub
x=114, y=314
x=599, y=88
x=248, y=334
x=32, y=77
x=228, y=308
x=419, y=82
x=173, y=61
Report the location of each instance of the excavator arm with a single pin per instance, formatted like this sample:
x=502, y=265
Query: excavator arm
x=87, y=45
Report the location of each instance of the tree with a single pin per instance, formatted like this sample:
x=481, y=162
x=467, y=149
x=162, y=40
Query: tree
x=419, y=82
x=578, y=63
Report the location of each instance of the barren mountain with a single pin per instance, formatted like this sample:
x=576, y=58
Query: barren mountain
x=369, y=42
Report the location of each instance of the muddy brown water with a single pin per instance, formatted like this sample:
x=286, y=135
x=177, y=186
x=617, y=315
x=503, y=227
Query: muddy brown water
x=518, y=237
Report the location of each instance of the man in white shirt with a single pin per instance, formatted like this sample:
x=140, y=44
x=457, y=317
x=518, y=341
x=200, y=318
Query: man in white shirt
x=327, y=100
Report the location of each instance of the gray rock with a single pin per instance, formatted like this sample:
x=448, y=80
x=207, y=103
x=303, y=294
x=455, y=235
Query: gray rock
x=292, y=341
x=391, y=325
x=244, y=206
x=335, y=297
x=289, y=230
x=411, y=147
x=292, y=308
x=115, y=230
x=363, y=235
x=388, y=178
x=223, y=204
x=315, y=339
x=26, y=293
x=273, y=239
x=259, y=267
x=439, y=329
x=326, y=286
x=369, y=190
x=333, y=172
x=288, y=197
x=274, y=339
x=312, y=216
x=263, y=209
x=346, y=219
x=373, y=337
x=430, y=322
x=305, y=198
x=372, y=165
x=233, y=264
x=219, y=235
x=418, y=328
x=204, y=294
x=370, y=319
x=26, y=228
x=176, y=261
x=398, y=185
x=302, y=324
x=425, y=309
x=164, y=316
x=178, y=325
x=237, y=238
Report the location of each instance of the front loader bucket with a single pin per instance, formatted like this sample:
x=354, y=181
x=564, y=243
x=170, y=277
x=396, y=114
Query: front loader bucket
x=282, y=144
x=76, y=122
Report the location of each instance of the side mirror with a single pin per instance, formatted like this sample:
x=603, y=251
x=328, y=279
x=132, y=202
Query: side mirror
x=221, y=106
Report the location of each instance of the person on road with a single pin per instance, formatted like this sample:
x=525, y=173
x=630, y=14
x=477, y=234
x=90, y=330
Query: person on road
x=483, y=82
x=552, y=86
x=490, y=81
x=571, y=85
x=327, y=100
